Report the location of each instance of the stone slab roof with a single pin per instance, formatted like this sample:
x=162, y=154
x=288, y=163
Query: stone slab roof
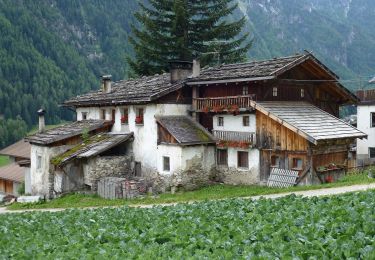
x=95, y=145
x=308, y=120
x=20, y=149
x=140, y=90
x=250, y=70
x=12, y=172
x=67, y=131
x=185, y=130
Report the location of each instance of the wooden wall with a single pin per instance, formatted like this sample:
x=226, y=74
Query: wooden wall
x=274, y=136
x=6, y=186
x=164, y=136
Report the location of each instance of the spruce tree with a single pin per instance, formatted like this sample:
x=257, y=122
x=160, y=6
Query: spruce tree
x=186, y=29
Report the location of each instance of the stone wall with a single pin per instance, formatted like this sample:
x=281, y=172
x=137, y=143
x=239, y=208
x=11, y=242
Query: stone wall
x=108, y=166
x=234, y=176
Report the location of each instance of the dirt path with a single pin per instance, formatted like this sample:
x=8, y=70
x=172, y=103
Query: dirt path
x=307, y=193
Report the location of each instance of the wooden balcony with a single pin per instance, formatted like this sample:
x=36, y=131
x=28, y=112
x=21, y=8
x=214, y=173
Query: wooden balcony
x=235, y=136
x=222, y=103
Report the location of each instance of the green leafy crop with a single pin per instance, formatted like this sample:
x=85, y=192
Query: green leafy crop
x=338, y=227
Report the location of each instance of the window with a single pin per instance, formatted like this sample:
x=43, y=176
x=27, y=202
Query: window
x=222, y=157
x=371, y=152
x=113, y=115
x=125, y=116
x=372, y=119
x=220, y=121
x=297, y=163
x=84, y=115
x=245, y=120
x=39, y=162
x=245, y=90
x=275, y=161
x=139, y=116
x=166, y=164
x=243, y=159
x=102, y=114
x=302, y=92
x=274, y=92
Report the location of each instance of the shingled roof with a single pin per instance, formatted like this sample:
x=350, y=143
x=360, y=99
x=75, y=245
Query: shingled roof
x=67, y=131
x=308, y=121
x=20, y=149
x=12, y=172
x=185, y=130
x=140, y=90
x=264, y=69
x=95, y=145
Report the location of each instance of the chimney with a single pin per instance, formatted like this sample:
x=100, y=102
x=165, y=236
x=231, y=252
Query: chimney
x=42, y=124
x=196, y=68
x=106, y=83
x=180, y=70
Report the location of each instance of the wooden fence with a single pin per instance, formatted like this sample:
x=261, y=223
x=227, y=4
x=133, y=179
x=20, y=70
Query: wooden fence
x=281, y=178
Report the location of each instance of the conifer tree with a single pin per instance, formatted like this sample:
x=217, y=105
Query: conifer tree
x=186, y=29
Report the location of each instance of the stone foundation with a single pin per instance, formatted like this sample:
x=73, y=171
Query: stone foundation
x=235, y=176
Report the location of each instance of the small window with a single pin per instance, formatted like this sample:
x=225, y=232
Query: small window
x=297, y=163
x=39, y=162
x=302, y=92
x=125, y=116
x=166, y=164
x=243, y=159
x=102, y=114
x=113, y=115
x=274, y=92
x=139, y=116
x=220, y=121
x=245, y=90
x=371, y=152
x=275, y=161
x=246, y=121
x=222, y=157
x=84, y=115
x=372, y=119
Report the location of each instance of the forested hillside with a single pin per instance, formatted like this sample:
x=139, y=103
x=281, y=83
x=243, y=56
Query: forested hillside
x=51, y=50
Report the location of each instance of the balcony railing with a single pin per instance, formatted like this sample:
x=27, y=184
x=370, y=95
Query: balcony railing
x=222, y=103
x=235, y=136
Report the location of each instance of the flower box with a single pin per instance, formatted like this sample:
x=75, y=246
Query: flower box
x=139, y=120
x=124, y=119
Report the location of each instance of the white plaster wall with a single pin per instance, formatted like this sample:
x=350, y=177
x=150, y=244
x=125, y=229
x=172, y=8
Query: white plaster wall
x=174, y=153
x=39, y=177
x=16, y=186
x=253, y=158
x=363, y=124
x=234, y=123
x=27, y=181
x=145, y=136
x=205, y=153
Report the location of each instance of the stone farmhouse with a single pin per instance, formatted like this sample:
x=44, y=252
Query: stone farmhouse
x=231, y=123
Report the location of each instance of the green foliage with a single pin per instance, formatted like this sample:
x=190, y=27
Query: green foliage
x=12, y=130
x=85, y=135
x=21, y=189
x=185, y=29
x=212, y=192
x=4, y=160
x=286, y=228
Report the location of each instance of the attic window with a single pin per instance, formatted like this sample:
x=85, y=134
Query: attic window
x=302, y=92
x=246, y=121
x=220, y=121
x=84, y=115
x=102, y=114
x=274, y=92
x=139, y=116
x=245, y=90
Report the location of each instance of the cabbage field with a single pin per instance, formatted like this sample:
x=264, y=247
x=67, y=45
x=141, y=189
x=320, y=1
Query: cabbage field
x=291, y=227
